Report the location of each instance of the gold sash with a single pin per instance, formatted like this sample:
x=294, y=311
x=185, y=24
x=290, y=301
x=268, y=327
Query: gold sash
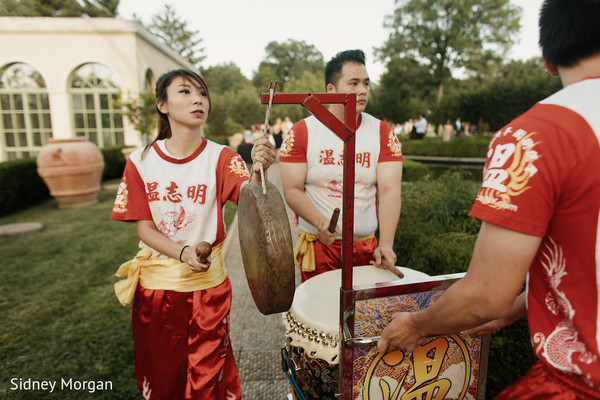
x=167, y=274
x=305, y=249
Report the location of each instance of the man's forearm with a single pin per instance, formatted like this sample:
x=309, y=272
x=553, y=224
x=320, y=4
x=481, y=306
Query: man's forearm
x=389, y=215
x=301, y=205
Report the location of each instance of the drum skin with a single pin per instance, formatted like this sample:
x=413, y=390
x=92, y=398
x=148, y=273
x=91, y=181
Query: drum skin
x=267, y=247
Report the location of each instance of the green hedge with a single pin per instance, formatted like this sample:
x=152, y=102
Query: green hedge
x=22, y=187
x=435, y=235
x=462, y=146
x=413, y=171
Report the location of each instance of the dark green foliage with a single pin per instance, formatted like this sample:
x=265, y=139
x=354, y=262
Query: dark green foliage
x=59, y=8
x=511, y=356
x=413, y=171
x=435, y=235
x=114, y=162
x=22, y=187
x=462, y=146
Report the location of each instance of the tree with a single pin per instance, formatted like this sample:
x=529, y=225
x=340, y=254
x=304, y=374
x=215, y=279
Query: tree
x=405, y=90
x=225, y=78
x=446, y=35
x=235, y=102
x=141, y=112
x=285, y=61
x=496, y=100
x=59, y=8
x=101, y=8
x=173, y=31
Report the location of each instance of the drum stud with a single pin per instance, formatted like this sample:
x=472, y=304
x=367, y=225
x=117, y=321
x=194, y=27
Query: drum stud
x=334, y=343
x=325, y=342
x=317, y=339
x=329, y=336
x=314, y=332
x=311, y=337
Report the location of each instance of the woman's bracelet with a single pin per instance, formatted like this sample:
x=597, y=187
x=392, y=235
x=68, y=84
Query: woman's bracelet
x=180, y=254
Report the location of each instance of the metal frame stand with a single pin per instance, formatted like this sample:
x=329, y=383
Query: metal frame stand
x=345, y=131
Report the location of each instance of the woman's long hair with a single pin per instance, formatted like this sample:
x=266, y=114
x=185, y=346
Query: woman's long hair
x=164, y=128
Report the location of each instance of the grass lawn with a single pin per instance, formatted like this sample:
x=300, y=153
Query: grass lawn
x=59, y=315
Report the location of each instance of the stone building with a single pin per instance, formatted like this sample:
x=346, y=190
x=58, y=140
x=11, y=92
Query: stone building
x=60, y=77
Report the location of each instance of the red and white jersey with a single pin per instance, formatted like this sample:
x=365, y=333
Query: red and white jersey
x=542, y=177
x=184, y=197
x=311, y=142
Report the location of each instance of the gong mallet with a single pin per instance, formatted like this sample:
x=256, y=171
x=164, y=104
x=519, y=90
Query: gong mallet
x=203, y=250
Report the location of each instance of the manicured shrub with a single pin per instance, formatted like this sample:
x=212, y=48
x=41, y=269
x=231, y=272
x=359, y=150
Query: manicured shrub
x=462, y=146
x=413, y=171
x=114, y=162
x=22, y=187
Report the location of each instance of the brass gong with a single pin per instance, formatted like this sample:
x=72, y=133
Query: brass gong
x=267, y=247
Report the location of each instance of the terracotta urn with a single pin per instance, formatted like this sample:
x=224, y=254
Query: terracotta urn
x=72, y=170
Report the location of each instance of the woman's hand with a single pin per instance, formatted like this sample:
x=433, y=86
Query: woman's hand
x=263, y=152
x=190, y=257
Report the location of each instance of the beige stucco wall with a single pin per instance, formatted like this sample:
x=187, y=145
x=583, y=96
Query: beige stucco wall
x=57, y=46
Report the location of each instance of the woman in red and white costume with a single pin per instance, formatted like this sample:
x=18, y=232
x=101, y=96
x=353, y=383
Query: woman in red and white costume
x=175, y=190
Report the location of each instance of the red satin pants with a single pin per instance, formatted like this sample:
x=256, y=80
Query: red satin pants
x=544, y=383
x=181, y=344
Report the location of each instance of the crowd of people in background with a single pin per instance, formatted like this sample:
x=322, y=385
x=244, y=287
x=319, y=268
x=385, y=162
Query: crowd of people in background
x=276, y=133
x=418, y=128
x=421, y=128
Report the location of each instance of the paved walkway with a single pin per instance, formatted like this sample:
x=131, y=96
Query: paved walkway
x=257, y=339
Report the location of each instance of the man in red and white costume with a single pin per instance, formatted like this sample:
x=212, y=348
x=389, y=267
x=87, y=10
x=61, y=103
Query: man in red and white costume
x=311, y=165
x=540, y=206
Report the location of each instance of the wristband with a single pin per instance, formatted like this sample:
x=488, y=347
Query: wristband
x=180, y=254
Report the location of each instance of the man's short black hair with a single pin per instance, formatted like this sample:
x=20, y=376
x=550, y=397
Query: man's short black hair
x=333, y=70
x=569, y=30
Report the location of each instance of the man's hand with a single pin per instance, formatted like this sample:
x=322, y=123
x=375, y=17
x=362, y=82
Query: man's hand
x=323, y=233
x=263, y=152
x=386, y=259
x=401, y=334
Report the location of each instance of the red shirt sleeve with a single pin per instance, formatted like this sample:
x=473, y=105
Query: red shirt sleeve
x=528, y=162
x=231, y=173
x=391, y=149
x=293, y=148
x=131, y=203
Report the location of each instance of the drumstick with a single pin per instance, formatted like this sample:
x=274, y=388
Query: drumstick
x=334, y=220
x=393, y=270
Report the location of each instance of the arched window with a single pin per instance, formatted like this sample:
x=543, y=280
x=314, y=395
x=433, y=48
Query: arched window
x=96, y=114
x=24, y=111
x=149, y=80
